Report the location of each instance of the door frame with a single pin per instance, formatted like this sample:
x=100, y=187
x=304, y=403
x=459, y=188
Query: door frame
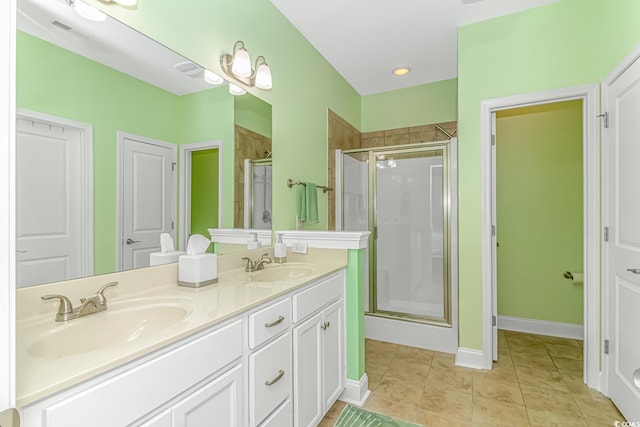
x=7, y=212
x=590, y=96
x=186, y=150
x=121, y=136
x=86, y=172
x=607, y=177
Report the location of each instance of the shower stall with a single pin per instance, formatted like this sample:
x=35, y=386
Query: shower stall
x=257, y=194
x=402, y=195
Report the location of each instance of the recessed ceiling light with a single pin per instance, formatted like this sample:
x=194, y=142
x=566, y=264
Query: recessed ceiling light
x=401, y=71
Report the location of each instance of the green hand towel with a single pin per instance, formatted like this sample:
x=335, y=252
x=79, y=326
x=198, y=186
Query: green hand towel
x=301, y=205
x=312, y=203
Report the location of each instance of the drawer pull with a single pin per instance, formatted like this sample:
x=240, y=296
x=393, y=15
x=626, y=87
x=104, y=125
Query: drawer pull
x=275, y=322
x=276, y=379
x=325, y=325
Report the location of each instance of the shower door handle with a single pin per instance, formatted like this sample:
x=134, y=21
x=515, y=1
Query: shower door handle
x=636, y=377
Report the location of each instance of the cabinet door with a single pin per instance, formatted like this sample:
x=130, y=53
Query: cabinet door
x=307, y=371
x=219, y=403
x=332, y=353
x=161, y=420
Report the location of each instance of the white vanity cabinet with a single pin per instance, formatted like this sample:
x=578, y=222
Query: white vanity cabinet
x=319, y=368
x=278, y=364
x=175, y=388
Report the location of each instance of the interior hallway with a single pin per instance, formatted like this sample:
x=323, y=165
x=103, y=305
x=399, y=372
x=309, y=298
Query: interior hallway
x=537, y=381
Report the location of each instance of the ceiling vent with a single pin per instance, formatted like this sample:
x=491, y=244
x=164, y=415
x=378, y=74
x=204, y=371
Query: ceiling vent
x=190, y=69
x=61, y=25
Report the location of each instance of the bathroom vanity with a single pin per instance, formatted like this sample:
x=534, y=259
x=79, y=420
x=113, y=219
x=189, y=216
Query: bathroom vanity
x=263, y=348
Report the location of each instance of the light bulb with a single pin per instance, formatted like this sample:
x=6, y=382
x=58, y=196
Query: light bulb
x=88, y=12
x=212, y=78
x=241, y=66
x=236, y=90
x=263, y=77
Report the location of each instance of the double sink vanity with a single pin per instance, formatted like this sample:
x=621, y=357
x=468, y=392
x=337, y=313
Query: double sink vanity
x=261, y=348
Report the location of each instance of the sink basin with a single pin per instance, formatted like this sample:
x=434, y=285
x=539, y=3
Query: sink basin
x=278, y=272
x=282, y=272
x=109, y=328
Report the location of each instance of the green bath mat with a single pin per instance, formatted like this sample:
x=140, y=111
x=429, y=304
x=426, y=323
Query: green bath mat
x=353, y=416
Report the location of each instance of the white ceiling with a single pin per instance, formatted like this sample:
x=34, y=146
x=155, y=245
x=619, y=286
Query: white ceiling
x=110, y=43
x=365, y=39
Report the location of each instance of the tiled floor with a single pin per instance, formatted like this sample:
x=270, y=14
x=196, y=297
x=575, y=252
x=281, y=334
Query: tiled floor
x=537, y=381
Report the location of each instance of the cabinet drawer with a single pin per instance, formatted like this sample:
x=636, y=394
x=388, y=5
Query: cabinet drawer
x=148, y=386
x=282, y=417
x=269, y=378
x=314, y=298
x=269, y=322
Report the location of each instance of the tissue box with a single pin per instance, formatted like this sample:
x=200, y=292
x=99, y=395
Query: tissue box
x=196, y=271
x=159, y=258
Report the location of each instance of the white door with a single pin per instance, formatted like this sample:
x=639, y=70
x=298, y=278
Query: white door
x=622, y=141
x=49, y=190
x=147, y=206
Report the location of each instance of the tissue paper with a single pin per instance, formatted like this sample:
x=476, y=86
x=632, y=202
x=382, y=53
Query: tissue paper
x=197, y=244
x=166, y=243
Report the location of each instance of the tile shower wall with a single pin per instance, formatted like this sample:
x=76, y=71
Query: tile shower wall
x=248, y=145
x=343, y=136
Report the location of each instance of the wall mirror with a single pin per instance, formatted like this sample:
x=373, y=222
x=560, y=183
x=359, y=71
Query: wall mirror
x=104, y=116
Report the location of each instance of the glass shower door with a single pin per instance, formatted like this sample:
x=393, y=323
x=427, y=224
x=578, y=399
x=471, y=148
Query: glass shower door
x=411, y=234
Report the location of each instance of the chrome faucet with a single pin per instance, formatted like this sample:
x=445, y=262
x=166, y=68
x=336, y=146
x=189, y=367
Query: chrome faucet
x=93, y=304
x=258, y=264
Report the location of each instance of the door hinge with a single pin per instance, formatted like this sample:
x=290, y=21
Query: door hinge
x=493, y=140
x=606, y=347
x=375, y=232
x=493, y=230
x=494, y=321
x=172, y=225
x=606, y=234
x=173, y=166
x=605, y=119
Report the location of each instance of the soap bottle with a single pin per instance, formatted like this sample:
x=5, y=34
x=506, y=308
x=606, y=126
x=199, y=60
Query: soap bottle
x=280, y=251
x=255, y=243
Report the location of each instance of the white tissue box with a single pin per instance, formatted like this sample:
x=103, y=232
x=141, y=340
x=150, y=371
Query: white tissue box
x=196, y=271
x=159, y=258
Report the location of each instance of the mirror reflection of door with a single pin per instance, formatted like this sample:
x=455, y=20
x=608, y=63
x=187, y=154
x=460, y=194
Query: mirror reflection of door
x=147, y=198
x=54, y=238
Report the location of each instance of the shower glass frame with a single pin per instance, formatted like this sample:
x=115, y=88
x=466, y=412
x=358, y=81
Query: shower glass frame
x=252, y=165
x=444, y=146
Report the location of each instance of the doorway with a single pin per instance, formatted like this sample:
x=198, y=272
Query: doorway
x=54, y=199
x=146, y=198
x=588, y=95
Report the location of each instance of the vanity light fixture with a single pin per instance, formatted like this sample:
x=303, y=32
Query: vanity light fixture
x=212, y=78
x=236, y=90
x=238, y=67
x=87, y=11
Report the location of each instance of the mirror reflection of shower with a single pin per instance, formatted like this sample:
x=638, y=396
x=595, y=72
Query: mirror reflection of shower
x=258, y=187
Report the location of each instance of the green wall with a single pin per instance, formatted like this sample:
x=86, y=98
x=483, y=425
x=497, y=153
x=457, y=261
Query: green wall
x=414, y=106
x=568, y=43
x=82, y=90
x=305, y=85
x=252, y=113
x=539, y=211
x=204, y=191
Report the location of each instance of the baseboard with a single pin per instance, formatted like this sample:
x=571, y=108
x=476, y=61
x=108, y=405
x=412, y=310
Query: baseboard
x=541, y=327
x=356, y=392
x=469, y=358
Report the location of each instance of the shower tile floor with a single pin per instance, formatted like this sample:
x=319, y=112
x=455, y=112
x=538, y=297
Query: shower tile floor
x=537, y=381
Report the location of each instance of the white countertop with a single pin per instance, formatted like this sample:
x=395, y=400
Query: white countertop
x=38, y=377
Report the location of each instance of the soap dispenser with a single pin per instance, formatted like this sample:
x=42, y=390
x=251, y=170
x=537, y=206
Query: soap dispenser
x=255, y=243
x=280, y=251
